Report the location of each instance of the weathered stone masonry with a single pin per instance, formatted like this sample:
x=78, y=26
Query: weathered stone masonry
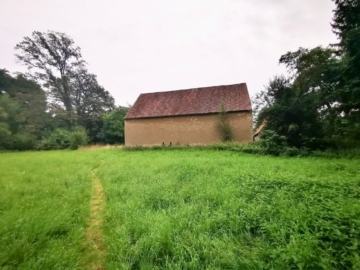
x=192, y=130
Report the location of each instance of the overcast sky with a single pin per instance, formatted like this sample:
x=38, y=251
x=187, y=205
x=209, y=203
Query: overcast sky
x=140, y=46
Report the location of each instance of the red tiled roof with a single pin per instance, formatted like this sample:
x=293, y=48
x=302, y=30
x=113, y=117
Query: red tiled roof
x=191, y=101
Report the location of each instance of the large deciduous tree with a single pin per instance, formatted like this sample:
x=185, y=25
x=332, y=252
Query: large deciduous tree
x=319, y=102
x=346, y=25
x=298, y=107
x=54, y=60
x=28, y=114
x=23, y=115
x=91, y=101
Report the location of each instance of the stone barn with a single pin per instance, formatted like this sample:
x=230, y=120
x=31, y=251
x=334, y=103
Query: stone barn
x=189, y=116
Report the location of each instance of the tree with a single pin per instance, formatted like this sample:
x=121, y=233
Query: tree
x=113, y=130
x=23, y=114
x=346, y=20
x=318, y=103
x=346, y=25
x=53, y=59
x=91, y=102
x=29, y=114
x=5, y=132
x=315, y=72
x=298, y=107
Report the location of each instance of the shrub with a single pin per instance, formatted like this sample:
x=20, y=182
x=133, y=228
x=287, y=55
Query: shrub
x=17, y=141
x=64, y=139
x=78, y=138
x=44, y=144
x=223, y=125
x=23, y=142
x=289, y=151
x=60, y=139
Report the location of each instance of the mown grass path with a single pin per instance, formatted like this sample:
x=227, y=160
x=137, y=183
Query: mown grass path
x=94, y=246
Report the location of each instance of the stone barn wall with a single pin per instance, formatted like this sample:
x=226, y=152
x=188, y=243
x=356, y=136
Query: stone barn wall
x=189, y=129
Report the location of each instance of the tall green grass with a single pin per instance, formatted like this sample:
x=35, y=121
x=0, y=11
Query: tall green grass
x=44, y=204
x=224, y=210
x=182, y=209
x=258, y=148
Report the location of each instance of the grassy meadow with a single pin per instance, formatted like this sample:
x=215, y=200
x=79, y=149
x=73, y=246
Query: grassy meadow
x=44, y=198
x=180, y=209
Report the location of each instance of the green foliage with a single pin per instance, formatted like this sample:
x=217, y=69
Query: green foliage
x=60, y=139
x=294, y=107
x=78, y=138
x=52, y=57
x=113, y=130
x=9, y=110
x=64, y=139
x=305, y=108
x=92, y=102
x=22, y=112
x=56, y=62
x=25, y=104
x=5, y=132
x=23, y=142
x=318, y=105
x=223, y=125
x=26, y=124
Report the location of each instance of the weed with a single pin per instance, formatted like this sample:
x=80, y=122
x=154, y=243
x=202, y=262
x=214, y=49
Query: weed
x=223, y=124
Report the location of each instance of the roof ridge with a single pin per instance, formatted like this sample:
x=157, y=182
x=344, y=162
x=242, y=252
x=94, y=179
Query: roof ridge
x=196, y=88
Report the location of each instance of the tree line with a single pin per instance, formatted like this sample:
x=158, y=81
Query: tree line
x=58, y=103
x=316, y=105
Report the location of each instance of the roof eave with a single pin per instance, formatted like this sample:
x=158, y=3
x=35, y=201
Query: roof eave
x=176, y=115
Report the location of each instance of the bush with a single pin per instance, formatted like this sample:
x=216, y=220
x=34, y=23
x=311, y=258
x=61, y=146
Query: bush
x=64, y=139
x=44, y=144
x=289, y=151
x=17, y=141
x=60, y=139
x=223, y=125
x=23, y=142
x=78, y=138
